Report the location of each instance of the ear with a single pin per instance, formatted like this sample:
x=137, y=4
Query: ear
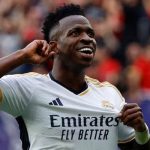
x=53, y=46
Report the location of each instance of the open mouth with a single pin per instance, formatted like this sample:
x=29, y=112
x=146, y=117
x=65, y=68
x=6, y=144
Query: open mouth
x=86, y=51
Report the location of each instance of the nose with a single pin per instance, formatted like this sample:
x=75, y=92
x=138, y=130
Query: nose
x=86, y=39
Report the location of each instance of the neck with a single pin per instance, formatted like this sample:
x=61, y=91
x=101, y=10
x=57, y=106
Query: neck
x=69, y=78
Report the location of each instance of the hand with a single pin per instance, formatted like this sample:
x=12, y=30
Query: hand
x=131, y=115
x=37, y=52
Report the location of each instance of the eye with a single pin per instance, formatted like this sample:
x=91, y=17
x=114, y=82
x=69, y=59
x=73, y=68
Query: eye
x=91, y=34
x=75, y=33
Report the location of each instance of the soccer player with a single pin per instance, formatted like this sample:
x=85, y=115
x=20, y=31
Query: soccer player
x=66, y=109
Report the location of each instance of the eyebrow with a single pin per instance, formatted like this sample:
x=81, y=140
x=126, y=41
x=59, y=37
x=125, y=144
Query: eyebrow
x=80, y=28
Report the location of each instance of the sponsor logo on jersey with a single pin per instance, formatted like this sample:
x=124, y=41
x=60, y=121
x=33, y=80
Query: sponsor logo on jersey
x=82, y=127
x=83, y=121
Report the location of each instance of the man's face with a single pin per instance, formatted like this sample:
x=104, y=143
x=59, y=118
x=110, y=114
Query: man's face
x=76, y=44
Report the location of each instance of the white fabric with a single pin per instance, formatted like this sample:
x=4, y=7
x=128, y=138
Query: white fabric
x=87, y=121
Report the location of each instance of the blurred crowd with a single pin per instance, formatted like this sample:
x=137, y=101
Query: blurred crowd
x=122, y=30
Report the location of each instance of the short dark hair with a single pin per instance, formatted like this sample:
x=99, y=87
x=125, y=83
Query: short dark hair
x=53, y=18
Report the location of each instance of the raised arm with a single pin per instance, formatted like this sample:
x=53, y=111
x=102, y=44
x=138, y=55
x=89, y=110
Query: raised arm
x=36, y=52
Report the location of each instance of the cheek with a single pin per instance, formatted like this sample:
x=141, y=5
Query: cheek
x=68, y=45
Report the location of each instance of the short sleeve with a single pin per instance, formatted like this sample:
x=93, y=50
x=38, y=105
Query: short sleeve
x=125, y=133
x=15, y=94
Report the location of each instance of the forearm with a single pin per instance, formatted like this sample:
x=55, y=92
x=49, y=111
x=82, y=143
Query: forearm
x=10, y=62
x=29, y=54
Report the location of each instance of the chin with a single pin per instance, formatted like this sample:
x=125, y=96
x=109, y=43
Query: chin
x=84, y=66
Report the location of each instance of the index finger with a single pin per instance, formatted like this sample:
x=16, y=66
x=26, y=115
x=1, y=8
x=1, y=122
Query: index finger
x=45, y=45
x=129, y=106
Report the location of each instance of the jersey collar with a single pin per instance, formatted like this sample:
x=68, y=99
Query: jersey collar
x=85, y=86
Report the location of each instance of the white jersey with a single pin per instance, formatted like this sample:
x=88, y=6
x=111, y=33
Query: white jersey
x=58, y=119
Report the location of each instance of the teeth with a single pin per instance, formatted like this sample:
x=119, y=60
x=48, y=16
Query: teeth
x=87, y=50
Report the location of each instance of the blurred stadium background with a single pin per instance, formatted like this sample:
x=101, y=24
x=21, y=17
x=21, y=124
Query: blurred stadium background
x=123, y=37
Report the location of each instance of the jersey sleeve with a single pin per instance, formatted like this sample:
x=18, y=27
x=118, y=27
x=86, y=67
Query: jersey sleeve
x=125, y=133
x=15, y=94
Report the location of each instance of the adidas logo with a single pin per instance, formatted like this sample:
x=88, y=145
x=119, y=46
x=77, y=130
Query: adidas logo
x=56, y=102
